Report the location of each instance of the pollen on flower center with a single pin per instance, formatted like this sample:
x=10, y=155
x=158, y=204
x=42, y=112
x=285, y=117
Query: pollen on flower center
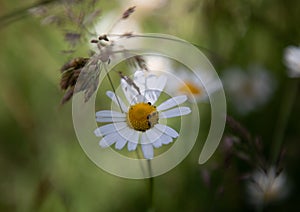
x=190, y=88
x=142, y=116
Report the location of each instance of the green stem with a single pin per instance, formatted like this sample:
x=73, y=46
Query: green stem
x=140, y=162
x=151, y=187
x=284, y=114
x=113, y=88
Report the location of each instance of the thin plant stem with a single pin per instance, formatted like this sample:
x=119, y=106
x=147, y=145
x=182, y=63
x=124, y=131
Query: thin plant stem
x=151, y=187
x=284, y=114
x=140, y=162
x=113, y=88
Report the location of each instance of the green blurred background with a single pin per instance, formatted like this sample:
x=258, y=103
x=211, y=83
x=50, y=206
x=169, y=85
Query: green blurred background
x=42, y=165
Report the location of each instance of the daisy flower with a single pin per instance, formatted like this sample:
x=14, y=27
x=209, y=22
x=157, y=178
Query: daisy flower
x=267, y=186
x=158, y=64
x=188, y=84
x=248, y=89
x=138, y=122
x=292, y=60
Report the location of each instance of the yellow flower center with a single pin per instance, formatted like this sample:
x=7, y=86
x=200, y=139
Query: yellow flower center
x=190, y=88
x=142, y=116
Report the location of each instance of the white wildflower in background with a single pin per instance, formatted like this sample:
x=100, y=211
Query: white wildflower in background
x=191, y=86
x=139, y=120
x=111, y=23
x=157, y=65
x=248, y=89
x=267, y=186
x=292, y=60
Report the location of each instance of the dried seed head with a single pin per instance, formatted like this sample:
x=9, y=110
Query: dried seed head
x=128, y=12
x=130, y=82
x=103, y=37
x=70, y=73
x=68, y=95
x=141, y=63
x=76, y=63
x=94, y=41
x=127, y=34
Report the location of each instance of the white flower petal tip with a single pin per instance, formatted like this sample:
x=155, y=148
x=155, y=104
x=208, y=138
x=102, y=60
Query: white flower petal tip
x=167, y=130
x=165, y=139
x=180, y=111
x=153, y=135
x=97, y=132
x=120, y=143
x=172, y=102
x=117, y=100
x=131, y=146
x=148, y=151
x=103, y=143
x=157, y=143
x=108, y=140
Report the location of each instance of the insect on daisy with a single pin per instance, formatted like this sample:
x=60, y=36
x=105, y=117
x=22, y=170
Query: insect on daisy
x=138, y=122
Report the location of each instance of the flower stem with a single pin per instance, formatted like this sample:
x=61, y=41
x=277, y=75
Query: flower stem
x=284, y=114
x=112, y=86
x=141, y=164
x=151, y=187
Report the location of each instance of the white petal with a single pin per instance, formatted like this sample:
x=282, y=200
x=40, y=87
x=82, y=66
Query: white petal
x=152, y=95
x=162, y=139
x=121, y=142
x=172, y=102
x=131, y=146
x=139, y=77
x=126, y=133
x=144, y=139
x=110, y=119
x=117, y=100
x=134, y=137
x=110, y=113
x=129, y=91
x=157, y=143
x=153, y=135
x=140, y=98
x=167, y=130
x=108, y=140
x=147, y=151
x=165, y=139
x=179, y=111
x=154, y=86
x=109, y=128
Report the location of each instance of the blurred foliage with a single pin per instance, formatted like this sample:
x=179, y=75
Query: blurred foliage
x=42, y=165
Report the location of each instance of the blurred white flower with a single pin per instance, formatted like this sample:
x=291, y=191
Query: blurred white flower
x=267, y=186
x=112, y=24
x=248, y=90
x=187, y=83
x=292, y=60
x=138, y=121
x=157, y=65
